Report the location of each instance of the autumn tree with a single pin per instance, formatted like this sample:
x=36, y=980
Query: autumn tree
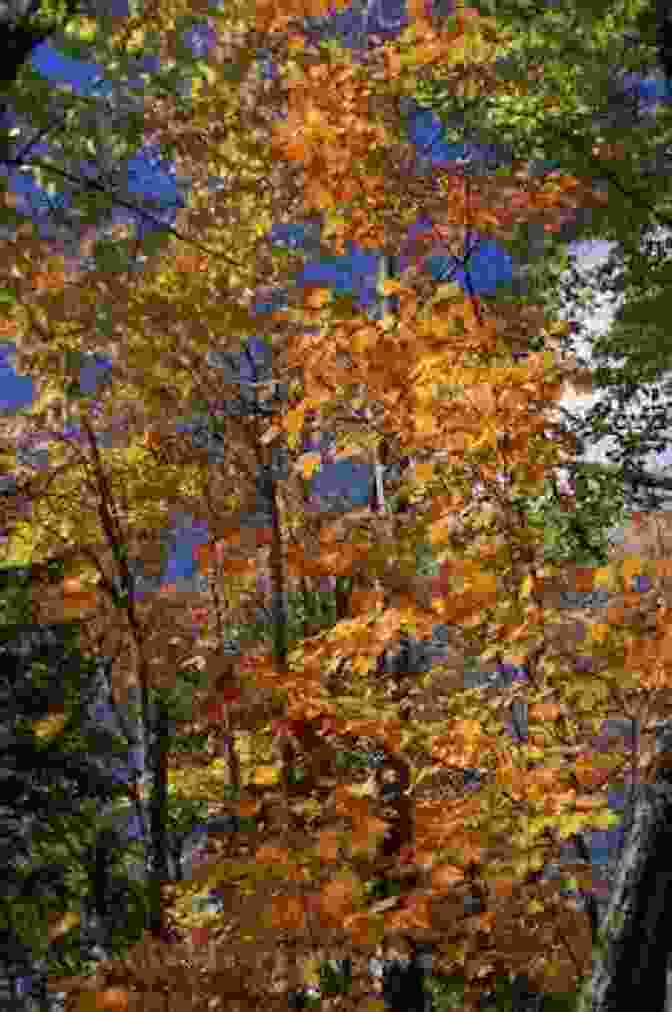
x=585, y=113
x=637, y=176
x=316, y=119
x=439, y=378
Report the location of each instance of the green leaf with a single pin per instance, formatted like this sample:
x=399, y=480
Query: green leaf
x=154, y=242
x=112, y=256
x=104, y=321
x=204, y=70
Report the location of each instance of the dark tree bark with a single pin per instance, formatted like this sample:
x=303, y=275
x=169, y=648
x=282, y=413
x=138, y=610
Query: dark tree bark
x=664, y=38
x=636, y=934
x=158, y=819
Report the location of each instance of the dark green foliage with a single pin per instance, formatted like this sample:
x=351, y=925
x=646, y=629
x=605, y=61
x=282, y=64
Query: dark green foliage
x=507, y=995
x=53, y=788
x=335, y=977
x=383, y=889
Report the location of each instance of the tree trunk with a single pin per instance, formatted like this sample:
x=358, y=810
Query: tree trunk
x=636, y=934
x=158, y=819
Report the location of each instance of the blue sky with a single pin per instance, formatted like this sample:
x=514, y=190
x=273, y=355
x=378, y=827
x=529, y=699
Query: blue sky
x=490, y=265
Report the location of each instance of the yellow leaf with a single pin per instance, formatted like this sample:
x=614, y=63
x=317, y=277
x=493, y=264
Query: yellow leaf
x=606, y=578
x=265, y=776
x=313, y=116
x=88, y=1002
x=310, y=970
x=632, y=566
x=87, y=29
x=362, y=665
x=368, y=789
x=293, y=423
x=49, y=725
x=136, y=38
x=456, y=54
x=605, y=820
x=425, y=424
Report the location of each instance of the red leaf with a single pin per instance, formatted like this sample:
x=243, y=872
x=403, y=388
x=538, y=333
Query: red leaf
x=200, y=936
x=216, y=713
x=231, y=694
x=264, y=536
x=407, y=854
x=282, y=728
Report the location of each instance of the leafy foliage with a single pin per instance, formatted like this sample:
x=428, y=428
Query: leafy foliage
x=574, y=104
x=332, y=849
x=54, y=779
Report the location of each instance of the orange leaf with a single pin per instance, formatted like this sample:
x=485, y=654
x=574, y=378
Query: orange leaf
x=583, y=578
x=152, y=439
x=446, y=875
x=112, y=999
x=328, y=845
x=317, y=297
x=115, y=998
x=75, y=599
x=265, y=776
x=287, y=913
x=545, y=711
x=271, y=854
x=365, y=601
x=309, y=463
x=248, y=807
x=340, y=895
